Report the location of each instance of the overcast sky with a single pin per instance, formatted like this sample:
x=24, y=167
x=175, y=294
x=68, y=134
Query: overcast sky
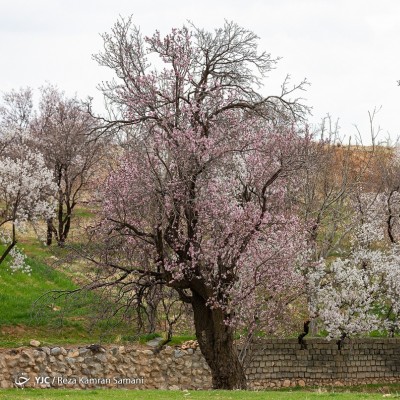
x=349, y=50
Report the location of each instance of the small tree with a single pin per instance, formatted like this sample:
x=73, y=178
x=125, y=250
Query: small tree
x=66, y=137
x=359, y=291
x=199, y=201
x=26, y=194
x=26, y=185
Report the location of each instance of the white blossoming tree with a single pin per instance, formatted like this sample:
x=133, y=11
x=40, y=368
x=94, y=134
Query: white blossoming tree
x=360, y=291
x=27, y=192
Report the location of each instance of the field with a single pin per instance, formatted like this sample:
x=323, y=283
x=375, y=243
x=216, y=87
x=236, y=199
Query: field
x=116, y=394
x=26, y=314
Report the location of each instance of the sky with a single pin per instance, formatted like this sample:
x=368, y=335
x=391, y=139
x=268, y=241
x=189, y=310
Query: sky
x=349, y=50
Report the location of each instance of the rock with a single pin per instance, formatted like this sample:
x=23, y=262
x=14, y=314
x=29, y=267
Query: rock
x=56, y=351
x=190, y=344
x=12, y=362
x=338, y=383
x=73, y=353
x=154, y=342
x=114, y=351
x=286, y=383
x=34, y=343
x=83, y=351
x=96, y=348
x=5, y=385
x=173, y=387
x=168, y=350
x=178, y=353
x=301, y=383
x=46, y=350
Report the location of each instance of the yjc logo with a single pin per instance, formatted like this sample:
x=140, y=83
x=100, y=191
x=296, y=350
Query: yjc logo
x=42, y=380
x=21, y=381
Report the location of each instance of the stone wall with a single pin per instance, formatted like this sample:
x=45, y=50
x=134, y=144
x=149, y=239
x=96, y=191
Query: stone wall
x=108, y=367
x=275, y=363
x=278, y=363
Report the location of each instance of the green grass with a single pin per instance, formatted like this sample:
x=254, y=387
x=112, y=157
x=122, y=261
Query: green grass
x=51, y=321
x=83, y=212
x=20, y=290
x=47, y=394
x=20, y=319
x=143, y=338
x=27, y=314
x=179, y=339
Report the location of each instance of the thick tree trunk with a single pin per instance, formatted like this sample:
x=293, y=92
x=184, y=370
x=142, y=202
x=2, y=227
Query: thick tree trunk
x=217, y=345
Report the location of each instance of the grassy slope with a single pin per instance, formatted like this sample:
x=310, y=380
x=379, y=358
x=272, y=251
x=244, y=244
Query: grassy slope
x=20, y=318
x=19, y=291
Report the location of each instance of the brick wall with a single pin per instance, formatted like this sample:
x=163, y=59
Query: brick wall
x=278, y=362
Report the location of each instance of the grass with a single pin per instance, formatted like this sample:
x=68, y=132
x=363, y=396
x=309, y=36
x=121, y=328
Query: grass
x=145, y=338
x=51, y=321
x=47, y=394
x=20, y=290
x=84, y=212
x=20, y=319
x=179, y=339
x=63, y=321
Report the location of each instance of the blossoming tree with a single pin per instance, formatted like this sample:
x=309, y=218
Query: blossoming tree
x=359, y=291
x=199, y=201
x=26, y=185
x=26, y=194
x=66, y=136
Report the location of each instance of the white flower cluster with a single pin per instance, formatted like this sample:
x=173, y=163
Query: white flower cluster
x=26, y=188
x=369, y=220
x=358, y=294
x=18, y=262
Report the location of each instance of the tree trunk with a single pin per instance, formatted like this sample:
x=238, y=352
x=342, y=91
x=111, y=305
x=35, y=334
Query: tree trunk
x=60, y=219
x=217, y=345
x=49, y=239
x=152, y=318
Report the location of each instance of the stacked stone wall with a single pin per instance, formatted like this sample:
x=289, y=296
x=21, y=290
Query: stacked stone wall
x=105, y=367
x=274, y=363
